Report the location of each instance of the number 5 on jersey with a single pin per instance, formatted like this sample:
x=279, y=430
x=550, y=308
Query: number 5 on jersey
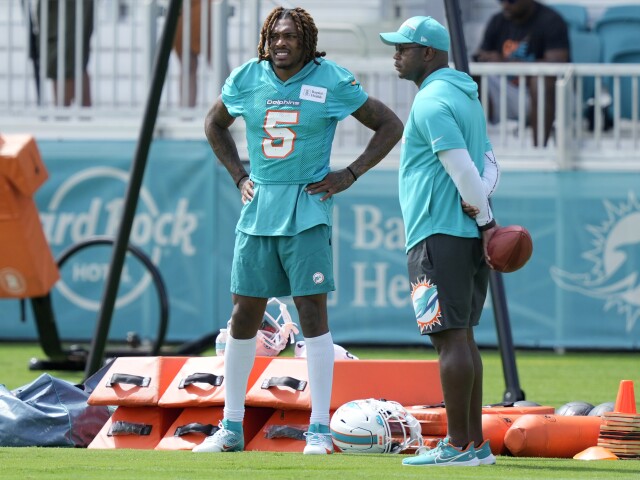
x=281, y=138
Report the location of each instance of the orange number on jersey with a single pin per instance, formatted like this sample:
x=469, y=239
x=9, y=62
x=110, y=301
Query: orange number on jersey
x=281, y=138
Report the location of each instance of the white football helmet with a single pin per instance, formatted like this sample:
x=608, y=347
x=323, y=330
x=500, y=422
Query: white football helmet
x=374, y=426
x=275, y=332
x=340, y=353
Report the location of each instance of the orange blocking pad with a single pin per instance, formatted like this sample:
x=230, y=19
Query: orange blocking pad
x=433, y=420
x=284, y=383
x=200, y=382
x=135, y=427
x=136, y=381
x=283, y=432
x=428, y=442
x=494, y=428
x=514, y=411
x=552, y=435
x=21, y=162
x=27, y=267
x=195, y=423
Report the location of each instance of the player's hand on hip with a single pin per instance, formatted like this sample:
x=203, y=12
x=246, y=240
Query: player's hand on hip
x=334, y=182
x=469, y=209
x=246, y=190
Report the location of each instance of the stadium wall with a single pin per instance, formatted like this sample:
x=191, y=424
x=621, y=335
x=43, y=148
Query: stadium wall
x=581, y=289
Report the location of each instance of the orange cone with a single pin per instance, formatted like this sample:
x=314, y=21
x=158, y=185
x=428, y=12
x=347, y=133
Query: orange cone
x=626, y=400
x=596, y=453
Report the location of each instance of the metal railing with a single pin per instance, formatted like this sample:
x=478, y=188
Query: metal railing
x=590, y=131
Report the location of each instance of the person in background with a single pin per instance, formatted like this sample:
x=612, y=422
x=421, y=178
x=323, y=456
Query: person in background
x=447, y=174
x=53, y=36
x=291, y=100
x=525, y=31
x=194, y=50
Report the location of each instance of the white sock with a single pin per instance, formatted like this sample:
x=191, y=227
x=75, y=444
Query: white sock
x=320, y=359
x=239, y=356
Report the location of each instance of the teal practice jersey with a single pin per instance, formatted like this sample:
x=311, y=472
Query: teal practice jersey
x=290, y=125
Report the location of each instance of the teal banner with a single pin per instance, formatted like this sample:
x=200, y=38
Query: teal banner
x=174, y=226
x=581, y=288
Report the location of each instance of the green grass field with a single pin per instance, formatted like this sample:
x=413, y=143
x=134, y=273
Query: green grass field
x=545, y=377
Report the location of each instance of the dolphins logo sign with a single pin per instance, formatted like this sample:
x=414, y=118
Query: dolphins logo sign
x=424, y=296
x=616, y=255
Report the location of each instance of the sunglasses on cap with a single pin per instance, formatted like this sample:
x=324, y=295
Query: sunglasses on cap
x=401, y=48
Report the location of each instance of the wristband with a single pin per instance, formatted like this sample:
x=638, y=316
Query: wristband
x=489, y=225
x=241, y=178
x=354, y=175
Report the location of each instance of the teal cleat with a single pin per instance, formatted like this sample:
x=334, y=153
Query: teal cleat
x=228, y=438
x=483, y=452
x=444, y=455
x=319, y=440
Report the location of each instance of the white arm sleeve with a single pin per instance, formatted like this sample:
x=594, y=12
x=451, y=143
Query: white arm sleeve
x=491, y=173
x=465, y=175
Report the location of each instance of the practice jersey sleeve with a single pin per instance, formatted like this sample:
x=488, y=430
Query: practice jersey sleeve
x=348, y=95
x=238, y=85
x=231, y=97
x=466, y=177
x=439, y=127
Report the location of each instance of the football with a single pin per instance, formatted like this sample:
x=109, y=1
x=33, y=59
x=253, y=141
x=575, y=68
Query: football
x=510, y=248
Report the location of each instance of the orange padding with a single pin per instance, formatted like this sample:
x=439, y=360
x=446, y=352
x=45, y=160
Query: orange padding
x=552, y=435
x=433, y=420
x=352, y=379
x=200, y=382
x=283, y=432
x=27, y=267
x=494, y=428
x=136, y=381
x=21, y=163
x=511, y=411
x=135, y=427
x=427, y=442
x=191, y=427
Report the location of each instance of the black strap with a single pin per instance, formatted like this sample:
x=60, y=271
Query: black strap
x=290, y=382
x=499, y=404
x=285, y=431
x=205, y=428
x=210, y=378
x=129, y=379
x=127, y=428
x=435, y=405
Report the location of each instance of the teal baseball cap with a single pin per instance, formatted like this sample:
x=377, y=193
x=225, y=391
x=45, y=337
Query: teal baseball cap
x=421, y=30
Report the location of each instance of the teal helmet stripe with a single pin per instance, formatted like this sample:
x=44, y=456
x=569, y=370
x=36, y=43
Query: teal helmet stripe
x=355, y=439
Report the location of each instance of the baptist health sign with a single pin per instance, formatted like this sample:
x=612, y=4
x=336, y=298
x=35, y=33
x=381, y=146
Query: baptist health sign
x=581, y=289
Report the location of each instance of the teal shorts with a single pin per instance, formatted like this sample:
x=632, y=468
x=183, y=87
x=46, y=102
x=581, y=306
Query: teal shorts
x=298, y=265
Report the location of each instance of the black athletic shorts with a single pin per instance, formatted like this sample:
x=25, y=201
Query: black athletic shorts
x=449, y=279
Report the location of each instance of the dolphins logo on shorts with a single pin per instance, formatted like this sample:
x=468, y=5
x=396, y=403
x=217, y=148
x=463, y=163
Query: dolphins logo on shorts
x=424, y=296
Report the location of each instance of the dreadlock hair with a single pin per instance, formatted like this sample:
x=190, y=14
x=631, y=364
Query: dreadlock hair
x=305, y=27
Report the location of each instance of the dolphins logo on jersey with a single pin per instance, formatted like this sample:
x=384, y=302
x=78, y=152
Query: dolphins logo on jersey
x=615, y=277
x=424, y=296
